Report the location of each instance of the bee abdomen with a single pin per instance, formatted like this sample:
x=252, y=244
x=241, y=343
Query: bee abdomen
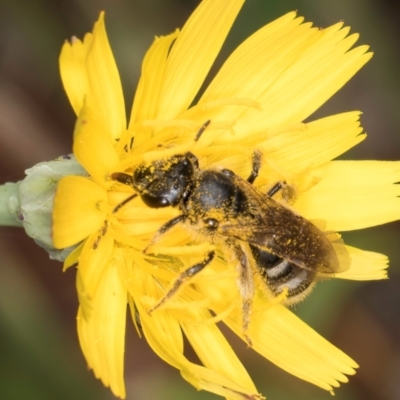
x=296, y=284
x=280, y=274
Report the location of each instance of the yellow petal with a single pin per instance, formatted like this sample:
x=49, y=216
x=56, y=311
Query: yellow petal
x=200, y=377
x=88, y=69
x=73, y=257
x=147, y=93
x=288, y=342
x=213, y=349
x=206, y=379
x=267, y=67
x=240, y=77
x=193, y=53
x=365, y=265
x=278, y=335
x=96, y=254
x=105, y=95
x=80, y=208
x=353, y=194
x=73, y=70
x=163, y=333
x=102, y=336
x=93, y=147
x=310, y=145
x=170, y=342
x=324, y=69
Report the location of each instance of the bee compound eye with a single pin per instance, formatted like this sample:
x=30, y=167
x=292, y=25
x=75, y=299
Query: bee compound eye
x=211, y=223
x=155, y=201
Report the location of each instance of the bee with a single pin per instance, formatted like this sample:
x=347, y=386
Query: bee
x=265, y=237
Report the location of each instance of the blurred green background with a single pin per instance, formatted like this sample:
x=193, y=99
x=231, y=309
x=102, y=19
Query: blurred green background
x=40, y=358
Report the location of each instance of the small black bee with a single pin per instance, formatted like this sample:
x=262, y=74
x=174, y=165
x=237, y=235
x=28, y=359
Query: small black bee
x=285, y=249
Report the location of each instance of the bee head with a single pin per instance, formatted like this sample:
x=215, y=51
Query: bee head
x=166, y=182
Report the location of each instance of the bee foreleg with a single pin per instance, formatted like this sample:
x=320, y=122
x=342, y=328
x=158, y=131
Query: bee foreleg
x=184, y=277
x=246, y=288
x=164, y=228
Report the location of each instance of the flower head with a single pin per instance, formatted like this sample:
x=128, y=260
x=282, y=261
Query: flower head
x=258, y=100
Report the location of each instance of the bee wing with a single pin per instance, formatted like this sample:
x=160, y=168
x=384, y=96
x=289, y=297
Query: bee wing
x=300, y=245
x=279, y=230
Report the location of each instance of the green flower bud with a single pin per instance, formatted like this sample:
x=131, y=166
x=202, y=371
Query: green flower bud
x=29, y=203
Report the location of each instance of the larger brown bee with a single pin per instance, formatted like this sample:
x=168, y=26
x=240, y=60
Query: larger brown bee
x=285, y=249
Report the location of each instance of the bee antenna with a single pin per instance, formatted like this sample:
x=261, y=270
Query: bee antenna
x=127, y=200
x=201, y=130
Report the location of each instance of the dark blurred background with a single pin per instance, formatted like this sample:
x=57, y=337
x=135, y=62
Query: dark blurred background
x=40, y=356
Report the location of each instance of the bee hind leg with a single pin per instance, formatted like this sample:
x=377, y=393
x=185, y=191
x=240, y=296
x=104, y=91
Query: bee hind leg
x=184, y=277
x=246, y=288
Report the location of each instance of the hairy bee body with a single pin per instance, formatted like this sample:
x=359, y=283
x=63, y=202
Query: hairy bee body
x=283, y=248
x=288, y=250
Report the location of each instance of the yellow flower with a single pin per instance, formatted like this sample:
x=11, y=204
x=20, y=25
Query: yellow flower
x=258, y=100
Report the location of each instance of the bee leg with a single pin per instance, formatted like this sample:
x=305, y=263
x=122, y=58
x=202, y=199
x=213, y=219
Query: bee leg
x=255, y=166
x=201, y=130
x=246, y=288
x=276, y=188
x=184, y=277
x=165, y=228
